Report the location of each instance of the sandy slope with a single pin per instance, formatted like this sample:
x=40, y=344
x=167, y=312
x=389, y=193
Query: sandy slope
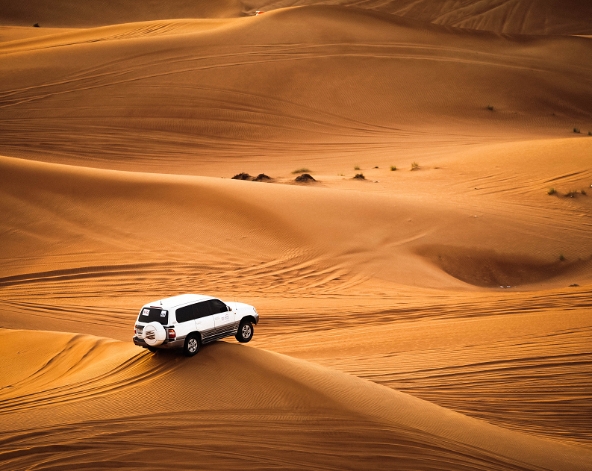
x=463, y=283
x=277, y=86
x=92, y=13
x=501, y=16
x=314, y=416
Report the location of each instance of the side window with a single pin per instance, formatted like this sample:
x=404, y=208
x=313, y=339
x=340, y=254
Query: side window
x=185, y=314
x=217, y=306
x=202, y=309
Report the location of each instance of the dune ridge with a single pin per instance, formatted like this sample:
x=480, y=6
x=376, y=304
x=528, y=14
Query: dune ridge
x=534, y=17
x=501, y=16
x=300, y=387
x=84, y=110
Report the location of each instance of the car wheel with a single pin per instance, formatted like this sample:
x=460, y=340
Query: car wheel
x=153, y=349
x=154, y=334
x=245, y=332
x=192, y=345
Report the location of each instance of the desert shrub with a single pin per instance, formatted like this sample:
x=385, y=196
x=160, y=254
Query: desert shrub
x=393, y=168
x=561, y=258
x=571, y=194
x=360, y=176
x=414, y=166
x=242, y=176
x=357, y=167
x=301, y=170
x=583, y=192
x=589, y=133
x=551, y=191
x=305, y=178
x=262, y=178
x=490, y=107
x=576, y=130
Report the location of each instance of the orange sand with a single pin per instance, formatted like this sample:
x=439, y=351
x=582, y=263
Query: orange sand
x=439, y=318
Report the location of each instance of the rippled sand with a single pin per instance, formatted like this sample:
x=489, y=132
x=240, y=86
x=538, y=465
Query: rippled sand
x=436, y=318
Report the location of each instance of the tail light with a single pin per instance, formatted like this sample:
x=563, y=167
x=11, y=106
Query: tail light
x=172, y=334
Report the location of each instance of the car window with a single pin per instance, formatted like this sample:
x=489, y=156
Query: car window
x=202, y=309
x=186, y=313
x=217, y=306
x=152, y=314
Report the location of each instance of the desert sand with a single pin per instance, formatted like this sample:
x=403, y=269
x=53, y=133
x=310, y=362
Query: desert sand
x=435, y=315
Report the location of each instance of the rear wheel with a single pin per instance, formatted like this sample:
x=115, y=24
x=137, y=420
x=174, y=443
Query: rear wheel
x=153, y=349
x=245, y=332
x=192, y=345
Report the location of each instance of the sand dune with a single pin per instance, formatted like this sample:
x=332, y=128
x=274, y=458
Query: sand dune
x=94, y=13
x=434, y=318
x=316, y=416
x=91, y=94
x=501, y=16
x=459, y=358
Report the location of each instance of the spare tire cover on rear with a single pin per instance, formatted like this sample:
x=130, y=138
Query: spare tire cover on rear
x=154, y=334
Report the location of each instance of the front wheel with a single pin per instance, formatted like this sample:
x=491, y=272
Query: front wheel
x=245, y=332
x=192, y=344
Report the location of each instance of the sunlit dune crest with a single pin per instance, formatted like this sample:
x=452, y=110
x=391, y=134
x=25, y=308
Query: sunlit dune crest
x=500, y=16
x=96, y=383
x=402, y=188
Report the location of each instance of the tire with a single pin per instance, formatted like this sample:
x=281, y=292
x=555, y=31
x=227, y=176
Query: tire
x=245, y=332
x=154, y=334
x=192, y=345
x=153, y=349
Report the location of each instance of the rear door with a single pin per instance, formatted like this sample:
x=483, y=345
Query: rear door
x=204, y=320
x=223, y=318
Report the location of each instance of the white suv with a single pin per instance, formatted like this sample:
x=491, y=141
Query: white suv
x=188, y=321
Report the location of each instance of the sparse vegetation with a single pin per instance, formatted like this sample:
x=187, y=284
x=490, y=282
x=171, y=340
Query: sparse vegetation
x=576, y=130
x=583, y=192
x=551, y=191
x=301, y=170
x=359, y=176
x=242, y=176
x=357, y=167
x=36, y=25
x=414, y=166
x=490, y=107
x=305, y=178
x=393, y=168
x=589, y=133
x=561, y=258
x=376, y=166
x=262, y=178
x=571, y=194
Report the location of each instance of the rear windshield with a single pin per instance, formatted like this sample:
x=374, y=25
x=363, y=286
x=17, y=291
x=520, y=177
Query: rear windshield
x=153, y=314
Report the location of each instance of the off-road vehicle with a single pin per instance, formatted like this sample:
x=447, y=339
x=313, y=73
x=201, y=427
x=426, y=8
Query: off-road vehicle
x=189, y=321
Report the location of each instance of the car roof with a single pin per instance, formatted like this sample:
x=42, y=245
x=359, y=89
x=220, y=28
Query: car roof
x=174, y=301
